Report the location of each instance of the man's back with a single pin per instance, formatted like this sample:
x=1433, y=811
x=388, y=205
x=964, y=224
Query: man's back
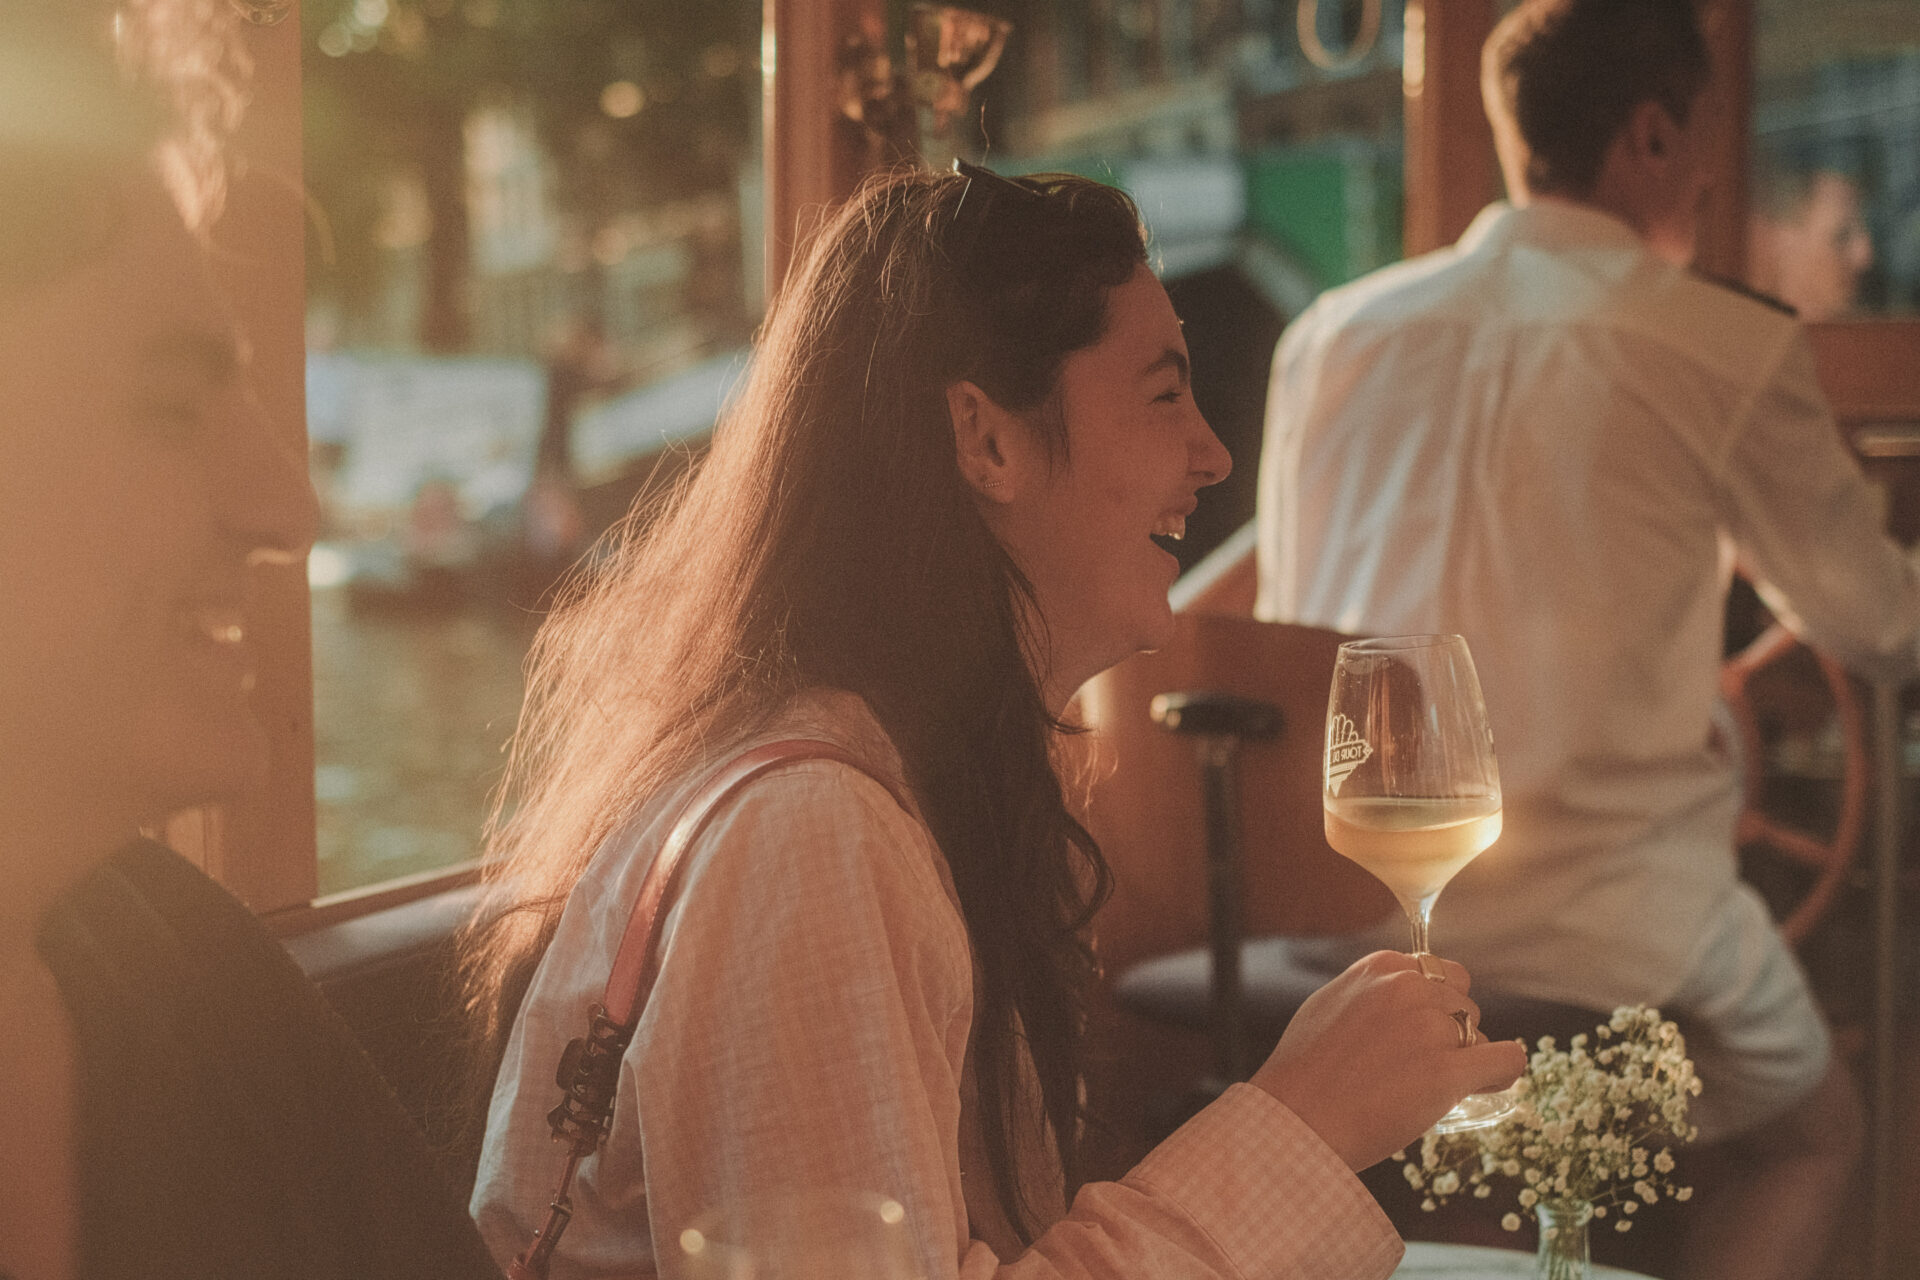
x=1550, y=441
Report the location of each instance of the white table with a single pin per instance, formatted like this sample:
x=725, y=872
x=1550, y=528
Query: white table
x=1428, y=1261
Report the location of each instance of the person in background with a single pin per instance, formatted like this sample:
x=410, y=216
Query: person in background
x=928, y=518
x=1807, y=243
x=176, y=1103
x=1553, y=439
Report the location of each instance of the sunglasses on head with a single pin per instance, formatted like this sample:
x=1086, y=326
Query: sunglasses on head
x=984, y=189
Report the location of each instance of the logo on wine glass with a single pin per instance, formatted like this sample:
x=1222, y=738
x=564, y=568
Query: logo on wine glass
x=1346, y=751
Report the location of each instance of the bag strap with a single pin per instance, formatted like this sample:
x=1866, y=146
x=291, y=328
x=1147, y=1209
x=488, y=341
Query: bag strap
x=589, y=1070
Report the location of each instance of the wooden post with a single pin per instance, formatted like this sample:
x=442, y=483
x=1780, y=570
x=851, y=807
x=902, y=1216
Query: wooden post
x=1451, y=173
x=1728, y=101
x=813, y=155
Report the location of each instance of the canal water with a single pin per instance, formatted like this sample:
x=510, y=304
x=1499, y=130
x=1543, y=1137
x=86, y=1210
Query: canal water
x=413, y=709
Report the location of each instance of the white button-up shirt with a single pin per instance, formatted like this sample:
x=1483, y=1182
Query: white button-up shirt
x=1554, y=443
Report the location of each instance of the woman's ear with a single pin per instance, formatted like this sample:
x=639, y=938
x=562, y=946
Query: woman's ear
x=985, y=442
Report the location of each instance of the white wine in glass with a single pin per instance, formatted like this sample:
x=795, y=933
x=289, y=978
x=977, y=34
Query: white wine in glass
x=1411, y=788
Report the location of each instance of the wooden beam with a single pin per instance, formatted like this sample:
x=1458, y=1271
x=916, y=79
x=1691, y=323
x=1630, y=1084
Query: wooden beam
x=814, y=156
x=1451, y=173
x=1870, y=369
x=1722, y=249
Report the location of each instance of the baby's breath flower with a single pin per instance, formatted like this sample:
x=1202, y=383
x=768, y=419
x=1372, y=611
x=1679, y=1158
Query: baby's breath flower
x=1585, y=1128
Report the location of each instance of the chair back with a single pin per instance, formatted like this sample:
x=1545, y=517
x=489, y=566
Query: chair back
x=1144, y=801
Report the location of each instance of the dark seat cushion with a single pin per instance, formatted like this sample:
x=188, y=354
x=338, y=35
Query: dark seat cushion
x=229, y=1126
x=391, y=975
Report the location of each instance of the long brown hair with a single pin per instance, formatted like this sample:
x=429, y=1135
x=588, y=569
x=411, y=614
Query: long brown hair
x=830, y=540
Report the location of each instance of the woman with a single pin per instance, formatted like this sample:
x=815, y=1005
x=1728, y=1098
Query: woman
x=176, y=1103
x=929, y=517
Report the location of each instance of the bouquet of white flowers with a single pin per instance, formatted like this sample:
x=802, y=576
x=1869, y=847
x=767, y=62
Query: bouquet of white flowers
x=1593, y=1136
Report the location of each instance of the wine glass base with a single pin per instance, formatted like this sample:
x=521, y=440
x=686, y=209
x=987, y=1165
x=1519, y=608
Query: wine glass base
x=1479, y=1111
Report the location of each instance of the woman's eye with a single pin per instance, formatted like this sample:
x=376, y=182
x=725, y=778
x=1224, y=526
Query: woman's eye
x=1173, y=396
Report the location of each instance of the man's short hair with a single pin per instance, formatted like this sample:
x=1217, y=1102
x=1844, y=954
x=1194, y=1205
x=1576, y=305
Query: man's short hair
x=1569, y=73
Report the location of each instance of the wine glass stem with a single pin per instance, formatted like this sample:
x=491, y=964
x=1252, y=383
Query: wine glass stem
x=1419, y=913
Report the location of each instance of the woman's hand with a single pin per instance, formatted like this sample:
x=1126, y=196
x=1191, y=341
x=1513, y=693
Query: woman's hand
x=1373, y=1058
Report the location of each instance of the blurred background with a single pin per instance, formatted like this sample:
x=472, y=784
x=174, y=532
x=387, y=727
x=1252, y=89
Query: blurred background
x=535, y=262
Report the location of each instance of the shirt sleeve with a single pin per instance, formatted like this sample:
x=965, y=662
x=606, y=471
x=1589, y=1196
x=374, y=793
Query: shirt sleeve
x=1809, y=529
x=809, y=1029
x=1277, y=505
x=1245, y=1189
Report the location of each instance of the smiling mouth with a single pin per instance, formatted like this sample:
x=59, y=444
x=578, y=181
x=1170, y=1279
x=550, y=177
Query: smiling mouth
x=1168, y=530
x=218, y=632
x=221, y=626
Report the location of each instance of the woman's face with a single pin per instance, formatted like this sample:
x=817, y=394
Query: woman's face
x=1087, y=528
x=137, y=483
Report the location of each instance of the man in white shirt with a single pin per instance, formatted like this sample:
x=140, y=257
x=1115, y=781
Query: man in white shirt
x=1554, y=440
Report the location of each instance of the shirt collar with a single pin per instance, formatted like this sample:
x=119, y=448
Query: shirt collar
x=1558, y=224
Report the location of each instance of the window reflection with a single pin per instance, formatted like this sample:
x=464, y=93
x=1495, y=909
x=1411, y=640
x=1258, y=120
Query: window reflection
x=1835, y=211
x=532, y=273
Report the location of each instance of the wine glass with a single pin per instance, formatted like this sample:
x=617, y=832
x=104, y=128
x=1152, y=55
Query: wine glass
x=816, y=1235
x=1411, y=790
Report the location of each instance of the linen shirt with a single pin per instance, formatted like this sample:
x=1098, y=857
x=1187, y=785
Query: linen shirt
x=809, y=1030
x=1552, y=442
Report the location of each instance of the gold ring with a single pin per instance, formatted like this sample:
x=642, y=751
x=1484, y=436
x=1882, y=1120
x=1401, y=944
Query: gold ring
x=1430, y=967
x=1463, y=1022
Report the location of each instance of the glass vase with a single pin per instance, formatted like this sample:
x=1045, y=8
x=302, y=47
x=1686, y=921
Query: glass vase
x=1563, y=1251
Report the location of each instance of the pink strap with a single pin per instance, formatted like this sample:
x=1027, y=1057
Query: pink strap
x=637, y=963
x=586, y=1108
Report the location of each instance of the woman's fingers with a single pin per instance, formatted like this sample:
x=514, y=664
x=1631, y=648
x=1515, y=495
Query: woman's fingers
x=1491, y=1065
x=1457, y=976
x=1437, y=969
x=1372, y=1059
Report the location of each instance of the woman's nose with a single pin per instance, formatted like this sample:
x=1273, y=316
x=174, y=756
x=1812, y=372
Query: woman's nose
x=1210, y=459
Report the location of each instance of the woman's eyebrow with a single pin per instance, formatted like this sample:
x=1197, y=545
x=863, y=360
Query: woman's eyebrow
x=1172, y=358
